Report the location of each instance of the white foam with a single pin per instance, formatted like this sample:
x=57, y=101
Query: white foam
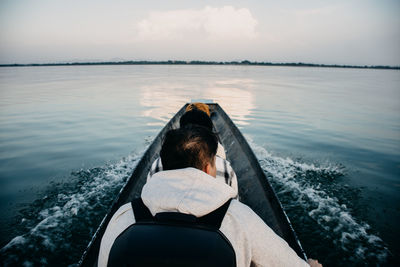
x=60, y=216
x=322, y=207
x=18, y=240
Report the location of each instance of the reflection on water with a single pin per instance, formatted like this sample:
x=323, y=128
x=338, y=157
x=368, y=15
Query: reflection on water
x=163, y=100
x=238, y=103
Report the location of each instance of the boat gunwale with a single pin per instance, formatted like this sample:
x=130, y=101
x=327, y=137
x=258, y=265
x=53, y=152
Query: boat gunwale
x=129, y=189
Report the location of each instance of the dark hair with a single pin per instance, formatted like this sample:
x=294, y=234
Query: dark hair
x=197, y=117
x=190, y=146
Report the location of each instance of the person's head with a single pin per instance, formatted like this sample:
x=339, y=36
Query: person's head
x=196, y=117
x=199, y=106
x=190, y=146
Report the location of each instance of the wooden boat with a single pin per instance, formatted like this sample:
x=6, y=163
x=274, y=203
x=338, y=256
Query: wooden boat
x=254, y=188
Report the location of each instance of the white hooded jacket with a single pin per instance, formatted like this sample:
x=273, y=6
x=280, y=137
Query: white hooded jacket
x=192, y=191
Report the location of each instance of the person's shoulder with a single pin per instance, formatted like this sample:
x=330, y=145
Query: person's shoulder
x=124, y=208
x=238, y=209
x=124, y=213
x=222, y=162
x=221, y=151
x=121, y=220
x=219, y=160
x=156, y=166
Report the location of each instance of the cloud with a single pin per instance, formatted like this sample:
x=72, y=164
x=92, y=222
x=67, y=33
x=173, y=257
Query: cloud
x=210, y=23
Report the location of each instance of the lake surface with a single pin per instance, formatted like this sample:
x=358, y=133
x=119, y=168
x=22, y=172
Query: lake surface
x=327, y=138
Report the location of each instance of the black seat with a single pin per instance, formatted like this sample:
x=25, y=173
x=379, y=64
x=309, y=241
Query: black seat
x=173, y=239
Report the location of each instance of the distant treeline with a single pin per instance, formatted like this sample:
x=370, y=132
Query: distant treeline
x=197, y=62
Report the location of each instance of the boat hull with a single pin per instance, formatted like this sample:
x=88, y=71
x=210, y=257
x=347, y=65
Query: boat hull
x=254, y=188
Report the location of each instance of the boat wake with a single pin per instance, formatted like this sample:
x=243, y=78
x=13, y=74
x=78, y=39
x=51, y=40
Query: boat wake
x=57, y=227
x=319, y=206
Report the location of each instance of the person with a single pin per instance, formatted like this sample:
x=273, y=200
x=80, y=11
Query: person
x=199, y=106
x=224, y=170
x=204, y=107
x=188, y=185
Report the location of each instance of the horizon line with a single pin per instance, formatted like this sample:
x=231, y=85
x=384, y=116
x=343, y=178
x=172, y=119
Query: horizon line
x=200, y=62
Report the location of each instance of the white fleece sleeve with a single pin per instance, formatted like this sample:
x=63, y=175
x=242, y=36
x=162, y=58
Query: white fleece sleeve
x=255, y=243
x=269, y=249
x=121, y=220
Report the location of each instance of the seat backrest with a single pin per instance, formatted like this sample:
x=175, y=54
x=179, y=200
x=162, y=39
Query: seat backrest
x=173, y=239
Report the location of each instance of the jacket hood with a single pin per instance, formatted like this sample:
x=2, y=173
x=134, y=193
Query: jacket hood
x=188, y=191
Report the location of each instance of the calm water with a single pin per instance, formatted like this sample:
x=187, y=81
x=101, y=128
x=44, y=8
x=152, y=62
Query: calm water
x=329, y=139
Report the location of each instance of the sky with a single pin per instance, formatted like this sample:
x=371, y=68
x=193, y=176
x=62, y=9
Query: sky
x=352, y=32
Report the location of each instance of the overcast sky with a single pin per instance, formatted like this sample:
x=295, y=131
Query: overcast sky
x=362, y=32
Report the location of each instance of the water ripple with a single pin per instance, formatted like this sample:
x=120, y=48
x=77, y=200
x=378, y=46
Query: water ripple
x=313, y=194
x=60, y=222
